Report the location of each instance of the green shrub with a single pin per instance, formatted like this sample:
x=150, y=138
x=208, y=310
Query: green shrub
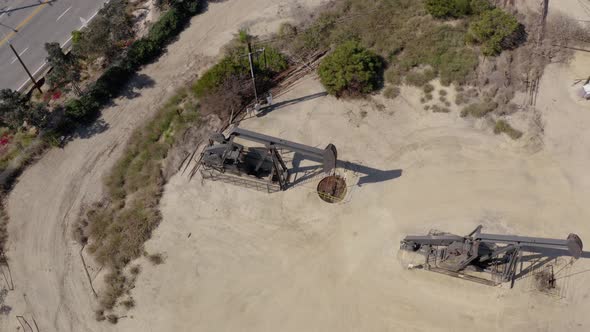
x=140, y=52
x=448, y=8
x=165, y=28
x=456, y=65
x=350, y=70
x=503, y=127
x=480, y=6
x=491, y=29
x=234, y=64
x=479, y=110
x=456, y=8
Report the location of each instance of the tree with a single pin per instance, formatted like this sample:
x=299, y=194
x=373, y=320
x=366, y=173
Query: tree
x=492, y=29
x=15, y=109
x=350, y=70
x=65, y=67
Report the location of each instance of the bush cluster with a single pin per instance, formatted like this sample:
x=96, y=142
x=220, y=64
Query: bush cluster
x=350, y=70
x=448, y=8
x=141, y=52
x=479, y=110
x=493, y=29
x=234, y=64
x=456, y=8
x=227, y=86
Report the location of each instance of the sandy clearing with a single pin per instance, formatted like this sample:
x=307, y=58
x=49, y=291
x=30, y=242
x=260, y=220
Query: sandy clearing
x=50, y=283
x=241, y=260
x=289, y=262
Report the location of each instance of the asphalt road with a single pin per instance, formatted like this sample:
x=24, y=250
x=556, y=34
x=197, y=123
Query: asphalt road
x=37, y=22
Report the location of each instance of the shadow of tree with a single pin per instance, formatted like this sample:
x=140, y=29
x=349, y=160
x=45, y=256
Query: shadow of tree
x=137, y=83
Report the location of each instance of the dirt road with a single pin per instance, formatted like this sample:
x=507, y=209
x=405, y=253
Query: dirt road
x=50, y=283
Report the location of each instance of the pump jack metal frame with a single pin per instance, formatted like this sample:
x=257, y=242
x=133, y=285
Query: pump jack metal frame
x=258, y=168
x=466, y=257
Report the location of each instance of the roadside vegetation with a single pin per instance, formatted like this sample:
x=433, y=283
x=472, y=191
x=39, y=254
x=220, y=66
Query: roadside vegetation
x=116, y=228
x=227, y=87
x=105, y=55
x=412, y=36
x=420, y=41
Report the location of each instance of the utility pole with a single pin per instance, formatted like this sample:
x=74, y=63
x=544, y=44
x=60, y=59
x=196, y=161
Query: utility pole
x=250, y=53
x=25, y=67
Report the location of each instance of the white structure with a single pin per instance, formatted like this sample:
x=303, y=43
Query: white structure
x=586, y=91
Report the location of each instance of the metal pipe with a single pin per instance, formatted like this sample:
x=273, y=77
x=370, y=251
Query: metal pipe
x=277, y=142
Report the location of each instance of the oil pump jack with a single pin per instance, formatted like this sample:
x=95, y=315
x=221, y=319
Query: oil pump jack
x=257, y=167
x=477, y=254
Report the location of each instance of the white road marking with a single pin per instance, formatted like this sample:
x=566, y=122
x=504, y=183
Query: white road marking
x=67, y=41
x=85, y=22
x=60, y=16
x=35, y=73
x=21, y=53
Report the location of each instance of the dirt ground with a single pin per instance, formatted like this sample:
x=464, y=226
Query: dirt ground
x=51, y=287
x=243, y=260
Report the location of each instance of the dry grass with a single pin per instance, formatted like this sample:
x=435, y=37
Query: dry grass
x=117, y=228
x=440, y=109
x=504, y=127
x=400, y=31
x=420, y=78
x=156, y=259
x=391, y=92
x=479, y=110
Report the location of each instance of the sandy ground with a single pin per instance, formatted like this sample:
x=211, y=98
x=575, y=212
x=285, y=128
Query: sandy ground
x=242, y=260
x=50, y=284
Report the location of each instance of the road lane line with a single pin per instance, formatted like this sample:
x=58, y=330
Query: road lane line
x=86, y=21
x=62, y=15
x=24, y=22
x=35, y=73
x=21, y=53
x=67, y=41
